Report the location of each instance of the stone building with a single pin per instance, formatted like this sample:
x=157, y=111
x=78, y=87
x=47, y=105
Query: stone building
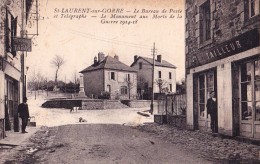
x=108, y=74
x=164, y=75
x=222, y=54
x=13, y=19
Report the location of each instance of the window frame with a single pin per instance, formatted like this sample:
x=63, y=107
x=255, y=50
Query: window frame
x=112, y=76
x=159, y=74
x=205, y=22
x=256, y=12
x=11, y=32
x=123, y=90
x=140, y=65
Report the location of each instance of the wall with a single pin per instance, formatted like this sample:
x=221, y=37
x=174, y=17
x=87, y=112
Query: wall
x=229, y=19
x=120, y=80
x=102, y=104
x=93, y=83
x=145, y=75
x=165, y=77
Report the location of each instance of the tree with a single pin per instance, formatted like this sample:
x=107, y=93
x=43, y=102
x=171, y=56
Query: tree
x=162, y=84
x=130, y=84
x=57, y=62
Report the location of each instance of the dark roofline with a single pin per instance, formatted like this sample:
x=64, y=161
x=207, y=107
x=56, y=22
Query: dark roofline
x=107, y=69
x=152, y=63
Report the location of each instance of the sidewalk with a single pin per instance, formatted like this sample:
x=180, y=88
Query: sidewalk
x=16, y=138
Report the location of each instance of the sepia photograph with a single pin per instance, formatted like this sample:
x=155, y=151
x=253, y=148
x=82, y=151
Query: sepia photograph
x=129, y=81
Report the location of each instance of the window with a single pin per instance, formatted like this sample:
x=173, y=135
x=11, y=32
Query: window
x=128, y=77
x=112, y=75
x=108, y=88
x=250, y=90
x=159, y=74
x=170, y=75
x=140, y=65
x=205, y=31
x=170, y=86
x=253, y=7
x=11, y=26
x=123, y=90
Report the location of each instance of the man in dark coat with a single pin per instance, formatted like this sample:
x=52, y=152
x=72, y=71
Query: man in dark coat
x=212, y=110
x=23, y=112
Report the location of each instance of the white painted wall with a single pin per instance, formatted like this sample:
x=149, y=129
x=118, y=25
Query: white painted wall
x=224, y=95
x=189, y=94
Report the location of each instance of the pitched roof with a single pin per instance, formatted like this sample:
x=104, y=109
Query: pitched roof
x=109, y=63
x=156, y=62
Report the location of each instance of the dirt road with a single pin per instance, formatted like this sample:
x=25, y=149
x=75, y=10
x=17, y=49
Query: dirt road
x=103, y=143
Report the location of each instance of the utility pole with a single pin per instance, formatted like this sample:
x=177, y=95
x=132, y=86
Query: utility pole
x=153, y=53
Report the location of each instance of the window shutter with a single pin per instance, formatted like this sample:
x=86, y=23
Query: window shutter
x=109, y=76
x=14, y=33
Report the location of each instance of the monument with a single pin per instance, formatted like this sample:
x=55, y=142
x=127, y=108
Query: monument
x=81, y=87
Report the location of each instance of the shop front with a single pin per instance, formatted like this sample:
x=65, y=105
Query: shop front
x=232, y=70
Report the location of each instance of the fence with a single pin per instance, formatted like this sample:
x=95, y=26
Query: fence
x=172, y=110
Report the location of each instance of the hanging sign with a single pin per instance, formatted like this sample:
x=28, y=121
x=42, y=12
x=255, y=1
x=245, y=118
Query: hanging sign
x=22, y=44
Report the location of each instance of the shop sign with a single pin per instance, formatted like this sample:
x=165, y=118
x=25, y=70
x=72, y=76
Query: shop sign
x=231, y=47
x=22, y=44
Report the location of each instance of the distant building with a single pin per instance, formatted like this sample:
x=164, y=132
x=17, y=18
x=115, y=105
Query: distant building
x=13, y=20
x=108, y=74
x=222, y=54
x=164, y=76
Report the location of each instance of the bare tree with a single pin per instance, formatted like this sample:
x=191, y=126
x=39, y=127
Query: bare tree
x=142, y=85
x=130, y=84
x=162, y=84
x=57, y=62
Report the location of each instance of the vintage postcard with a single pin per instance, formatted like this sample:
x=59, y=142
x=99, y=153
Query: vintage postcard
x=129, y=81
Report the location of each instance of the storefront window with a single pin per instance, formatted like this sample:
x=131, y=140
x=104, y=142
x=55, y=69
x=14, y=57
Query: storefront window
x=202, y=96
x=257, y=90
x=247, y=110
x=257, y=70
x=257, y=111
x=250, y=90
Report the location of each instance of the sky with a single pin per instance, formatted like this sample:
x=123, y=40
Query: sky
x=78, y=41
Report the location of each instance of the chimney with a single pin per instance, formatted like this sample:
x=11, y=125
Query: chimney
x=135, y=57
x=95, y=60
x=159, y=58
x=116, y=57
x=101, y=56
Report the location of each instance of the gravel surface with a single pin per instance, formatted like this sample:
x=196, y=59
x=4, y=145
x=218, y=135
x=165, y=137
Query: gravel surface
x=206, y=145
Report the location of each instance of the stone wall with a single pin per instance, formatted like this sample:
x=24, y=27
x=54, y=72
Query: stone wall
x=67, y=104
x=93, y=104
x=228, y=20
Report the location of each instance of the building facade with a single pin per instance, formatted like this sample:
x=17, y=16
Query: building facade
x=164, y=76
x=109, y=75
x=222, y=54
x=13, y=20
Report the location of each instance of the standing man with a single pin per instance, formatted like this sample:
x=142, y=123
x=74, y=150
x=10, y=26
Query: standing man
x=213, y=111
x=23, y=112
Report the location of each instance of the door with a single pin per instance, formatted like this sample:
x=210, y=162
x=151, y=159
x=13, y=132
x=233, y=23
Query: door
x=207, y=82
x=250, y=99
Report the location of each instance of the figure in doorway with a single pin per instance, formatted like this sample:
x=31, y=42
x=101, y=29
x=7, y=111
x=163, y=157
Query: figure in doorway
x=213, y=112
x=23, y=112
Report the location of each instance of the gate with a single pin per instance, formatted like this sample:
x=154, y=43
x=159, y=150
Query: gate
x=172, y=110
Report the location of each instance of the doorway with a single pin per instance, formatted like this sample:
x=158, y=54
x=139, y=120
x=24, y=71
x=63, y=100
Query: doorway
x=250, y=98
x=206, y=82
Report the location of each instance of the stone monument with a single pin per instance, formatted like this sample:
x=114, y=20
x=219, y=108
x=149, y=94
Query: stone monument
x=81, y=87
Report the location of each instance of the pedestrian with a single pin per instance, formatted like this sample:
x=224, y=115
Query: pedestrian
x=213, y=112
x=23, y=112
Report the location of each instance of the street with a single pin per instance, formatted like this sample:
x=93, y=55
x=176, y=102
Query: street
x=101, y=143
x=117, y=136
